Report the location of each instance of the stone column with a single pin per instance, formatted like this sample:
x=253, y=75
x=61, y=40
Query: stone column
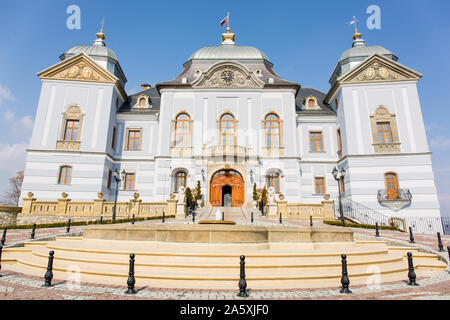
x=61, y=208
x=282, y=207
x=171, y=206
x=328, y=212
x=98, y=205
x=28, y=203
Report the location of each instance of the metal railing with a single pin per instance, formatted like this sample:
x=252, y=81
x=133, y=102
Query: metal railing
x=362, y=214
x=359, y=213
x=400, y=194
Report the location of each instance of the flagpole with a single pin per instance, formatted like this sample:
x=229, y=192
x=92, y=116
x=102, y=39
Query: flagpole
x=229, y=24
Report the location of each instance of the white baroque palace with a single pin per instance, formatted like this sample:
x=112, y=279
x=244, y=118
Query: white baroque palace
x=229, y=121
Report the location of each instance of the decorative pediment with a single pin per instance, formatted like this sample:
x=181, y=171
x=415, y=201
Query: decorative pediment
x=227, y=75
x=78, y=68
x=379, y=69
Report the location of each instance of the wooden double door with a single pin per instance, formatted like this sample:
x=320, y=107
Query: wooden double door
x=227, y=189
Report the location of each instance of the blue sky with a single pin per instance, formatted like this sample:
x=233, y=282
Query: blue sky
x=152, y=39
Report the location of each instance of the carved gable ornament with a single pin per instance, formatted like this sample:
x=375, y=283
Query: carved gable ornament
x=379, y=69
x=227, y=76
x=78, y=68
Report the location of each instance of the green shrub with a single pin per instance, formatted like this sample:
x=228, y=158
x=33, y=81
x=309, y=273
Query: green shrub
x=364, y=226
x=80, y=223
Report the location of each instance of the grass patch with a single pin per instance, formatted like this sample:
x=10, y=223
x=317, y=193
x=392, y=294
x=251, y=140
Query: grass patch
x=81, y=223
x=363, y=226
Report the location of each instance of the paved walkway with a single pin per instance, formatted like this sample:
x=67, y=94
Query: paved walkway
x=14, y=286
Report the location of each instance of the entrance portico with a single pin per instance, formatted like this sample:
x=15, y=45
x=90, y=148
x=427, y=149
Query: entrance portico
x=227, y=189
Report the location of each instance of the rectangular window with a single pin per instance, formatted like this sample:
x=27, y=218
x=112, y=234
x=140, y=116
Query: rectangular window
x=130, y=179
x=339, y=139
x=316, y=142
x=72, y=128
x=319, y=185
x=109, y=178
x=274, y=181
x=65, y=174
x=134, y=139
x=384, y=132
x=113, y=142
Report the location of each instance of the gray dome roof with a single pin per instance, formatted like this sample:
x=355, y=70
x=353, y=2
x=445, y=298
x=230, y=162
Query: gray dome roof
x=92, y=51
x=364, y=52
x=228, y=52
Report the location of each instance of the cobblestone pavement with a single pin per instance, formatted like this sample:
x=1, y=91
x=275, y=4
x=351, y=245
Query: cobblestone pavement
x=15, y=286
x=14, y=236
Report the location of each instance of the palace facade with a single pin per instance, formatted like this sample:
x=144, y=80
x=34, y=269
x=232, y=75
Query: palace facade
x=229, y=121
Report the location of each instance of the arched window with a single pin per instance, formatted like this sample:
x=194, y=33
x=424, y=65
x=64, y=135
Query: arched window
x=272, y=123
x=72, y=124
x=273, y=180
x=183, y=130
x=391, y=185
x=311, y=104
x=65, y=175
x=227, y=130
x=180, y=180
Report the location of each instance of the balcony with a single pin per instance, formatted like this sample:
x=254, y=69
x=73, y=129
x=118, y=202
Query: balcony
x=227, y=150
x=395, y=199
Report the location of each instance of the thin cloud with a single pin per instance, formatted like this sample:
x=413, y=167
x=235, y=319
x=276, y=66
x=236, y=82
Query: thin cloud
x=440, y=142
x=6, y=95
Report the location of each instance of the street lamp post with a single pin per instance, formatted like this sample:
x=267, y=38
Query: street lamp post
x=339, y=177
x=118, y=178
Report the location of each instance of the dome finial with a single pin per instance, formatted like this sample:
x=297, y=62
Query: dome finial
x=100, y=36
x=228, y=37
x=357, y=37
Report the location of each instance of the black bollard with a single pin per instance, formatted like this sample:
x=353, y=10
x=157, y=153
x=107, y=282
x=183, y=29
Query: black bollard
x=1, y=249
x=242, y=282
x=33, y=231
x=411, y=235
x=377, y=231
x=448, y=249
x=345, y=281
x=223, y=216
x=164, y=217
x=132, y=221
x=131, y=281
x=251, y=217
x=411, y=273
x=68, y=226
x=193, y=216
x=49, y=274
x=281, y=218
x=4, y=236
x=101, y=219
x=310, y=221
x=440, y=245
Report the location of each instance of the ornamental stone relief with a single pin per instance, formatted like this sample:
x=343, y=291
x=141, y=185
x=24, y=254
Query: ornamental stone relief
x=228, y=77
x=377, y=72
x=81, y=71
x=68, y=145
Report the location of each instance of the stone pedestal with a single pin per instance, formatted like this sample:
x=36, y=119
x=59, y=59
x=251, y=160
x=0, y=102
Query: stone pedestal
x=328, y=209
x=62, y=204
x=282, y=208
x=180, y=210
x=28, y=203
x=171, y=207
x=272, y=214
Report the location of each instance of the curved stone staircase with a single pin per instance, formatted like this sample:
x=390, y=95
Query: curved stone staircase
x=205, y=265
